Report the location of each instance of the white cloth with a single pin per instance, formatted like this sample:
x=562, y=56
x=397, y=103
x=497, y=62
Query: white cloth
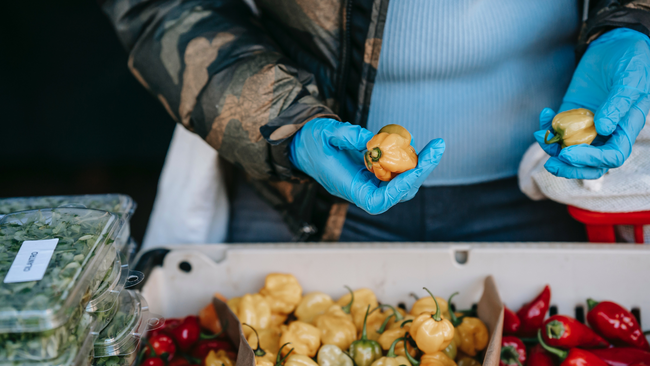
x=624, y=189
x=191, y=204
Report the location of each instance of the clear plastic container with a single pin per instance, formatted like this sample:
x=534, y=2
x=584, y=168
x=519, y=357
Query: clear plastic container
x=126, y=360
x=122, y=336
x=84, y=239
x=120, y=204
x=117, y=278
x=76, y=344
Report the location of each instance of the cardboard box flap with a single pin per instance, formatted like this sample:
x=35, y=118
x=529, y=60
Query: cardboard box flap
x=234, y=332
x=490, y=311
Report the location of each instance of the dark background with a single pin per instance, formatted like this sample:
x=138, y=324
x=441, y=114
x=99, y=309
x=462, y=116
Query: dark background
x=74, y=120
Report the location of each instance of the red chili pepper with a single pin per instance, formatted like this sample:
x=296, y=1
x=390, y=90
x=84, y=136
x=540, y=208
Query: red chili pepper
x=532, y=314
x=203, y=347
x=539, y=357
x=166, y=328
x=622, y=356
x=153, y=361
x=179, y=361
x=187, y=332
x=513, y=352
x=161, y=344
x=572, y=357
x=615, y=323
x=639, y=364
x=565, y=332
x=511, y=322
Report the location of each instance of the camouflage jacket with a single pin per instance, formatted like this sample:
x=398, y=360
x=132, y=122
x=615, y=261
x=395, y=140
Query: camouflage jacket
x=246, y=80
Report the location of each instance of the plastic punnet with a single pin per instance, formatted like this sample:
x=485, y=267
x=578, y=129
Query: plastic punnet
x=117, y=278
x=120, y=204
x=132, y=321
x=84, y=238
x=71, y=345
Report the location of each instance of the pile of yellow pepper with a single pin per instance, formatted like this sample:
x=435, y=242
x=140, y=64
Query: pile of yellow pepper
x=286, y=328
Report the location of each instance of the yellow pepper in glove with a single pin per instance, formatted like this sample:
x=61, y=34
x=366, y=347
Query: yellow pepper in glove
x=573, y=127
x=396, y=331
x=431, y=332
x=336, y=327
x=356, y=302
x=218, y=358
x=390, y=153
x=304, y=338
x=331, y=355
x=312, y=305
x=282, y=292
x=391, y=359
x=471, y=333
x=254, y=310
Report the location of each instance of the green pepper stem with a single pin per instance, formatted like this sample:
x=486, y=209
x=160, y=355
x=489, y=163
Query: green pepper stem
x=406, y=322
x=347, y=308
x=366, y=156
x=591, y=303
x=153, y=352
x=391, y=350
x=375, y=154
x=398, y=315
x=510, y=355
x=556, y=138
x=259, y=352
x=454, y=319
x=412, y=360
x=279, y=360
x=382, y=329
x=415, y=296
x=558, y=352
x=435, y=316
x=364, y=334
x=555, y=329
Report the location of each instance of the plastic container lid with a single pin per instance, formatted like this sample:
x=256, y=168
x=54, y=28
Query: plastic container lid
x=70, y=345
x=84, y=238
x=117, y=278
x=132, y=321
x=120, y=204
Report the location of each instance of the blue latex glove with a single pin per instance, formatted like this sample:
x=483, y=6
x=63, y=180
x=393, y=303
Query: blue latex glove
x=331, y=152
x=612, y=79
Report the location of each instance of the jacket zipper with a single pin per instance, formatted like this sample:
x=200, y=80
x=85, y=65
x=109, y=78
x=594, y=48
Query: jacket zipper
x=345, y=55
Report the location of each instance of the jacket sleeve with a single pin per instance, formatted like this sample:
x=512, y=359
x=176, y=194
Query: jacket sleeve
x=605, y=15
x=214, y=69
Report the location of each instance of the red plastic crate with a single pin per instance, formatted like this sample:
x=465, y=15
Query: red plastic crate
x=600, y=225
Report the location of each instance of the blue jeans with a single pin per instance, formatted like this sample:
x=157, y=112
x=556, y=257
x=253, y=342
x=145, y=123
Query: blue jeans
x=491, y=211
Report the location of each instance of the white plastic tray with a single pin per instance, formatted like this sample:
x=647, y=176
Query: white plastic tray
x=575, y=272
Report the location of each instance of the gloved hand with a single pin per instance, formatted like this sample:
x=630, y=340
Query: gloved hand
x=612, y=79
x=331, y=152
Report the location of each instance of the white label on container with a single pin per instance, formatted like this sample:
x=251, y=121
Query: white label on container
x=31, y=261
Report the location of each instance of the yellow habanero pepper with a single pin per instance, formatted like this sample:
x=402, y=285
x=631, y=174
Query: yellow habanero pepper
x=233, y=304
x=336, y=327
x=254, y=310
x=282, y=292
x=431, y=332
x=436, y=359
x=262, y=357
x=218, y=358
x=468, y=361
x=391, y=359
x=390, y=153
x=471, y=334
x=331, y=355
x=427, y=305
x=379, y=321
x=312, y=305
x=304, y=338
x=356, y=302
x=299, y=360
x=396, y=331
x=573, y=127
x=269, y=339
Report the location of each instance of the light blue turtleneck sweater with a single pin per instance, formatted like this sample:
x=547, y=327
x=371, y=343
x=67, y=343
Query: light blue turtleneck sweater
x=476, y=73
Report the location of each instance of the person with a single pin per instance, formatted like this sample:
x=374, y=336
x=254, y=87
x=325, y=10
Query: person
x=289, y=92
